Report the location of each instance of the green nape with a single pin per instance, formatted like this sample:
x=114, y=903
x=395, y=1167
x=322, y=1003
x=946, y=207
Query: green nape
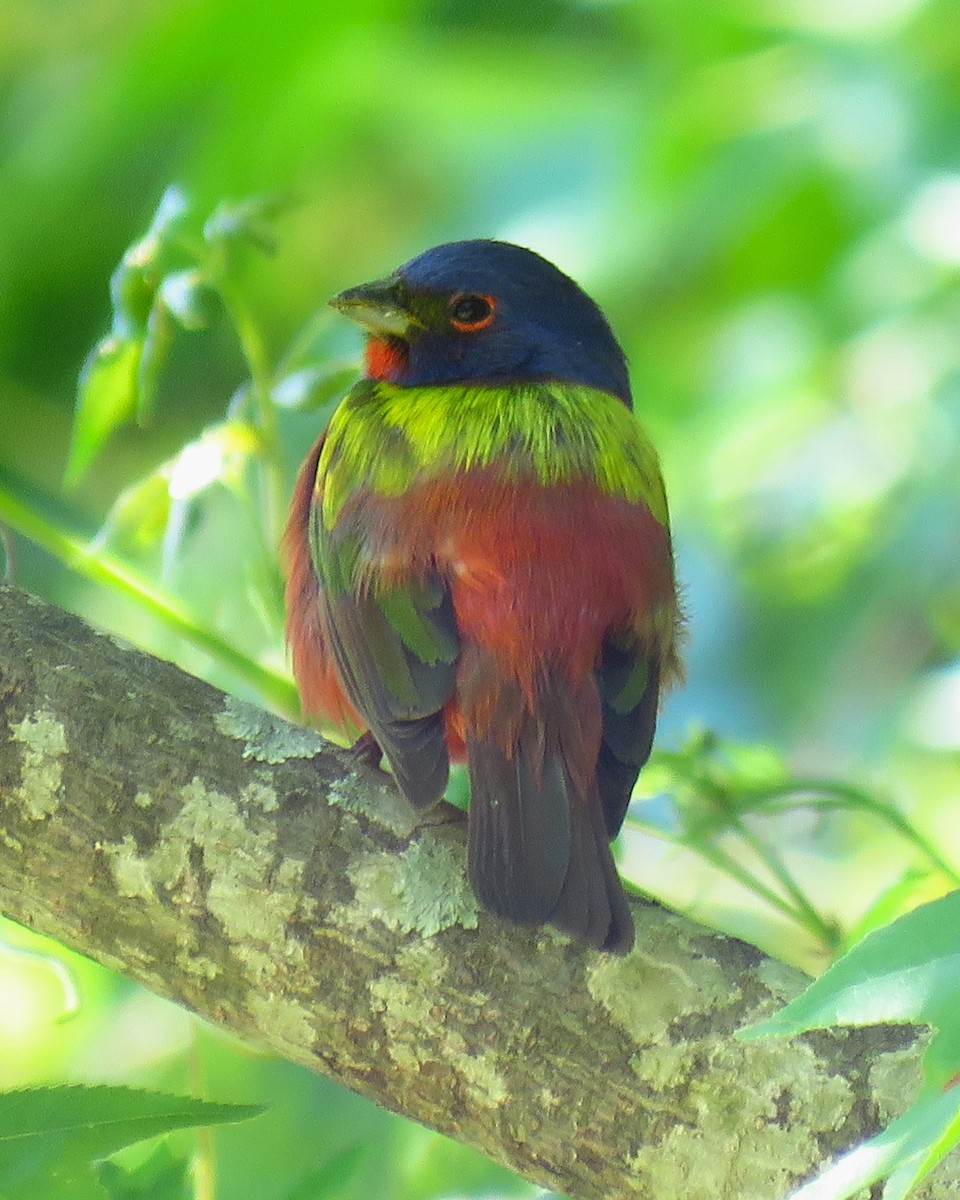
x=387, y=436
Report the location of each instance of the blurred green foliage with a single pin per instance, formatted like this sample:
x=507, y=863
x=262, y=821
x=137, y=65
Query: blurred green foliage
x=764, y=196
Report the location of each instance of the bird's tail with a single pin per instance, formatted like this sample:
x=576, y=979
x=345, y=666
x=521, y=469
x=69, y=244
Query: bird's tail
x=539, y=850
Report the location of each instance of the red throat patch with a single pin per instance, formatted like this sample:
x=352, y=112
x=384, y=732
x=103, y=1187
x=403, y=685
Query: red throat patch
x=385, y=358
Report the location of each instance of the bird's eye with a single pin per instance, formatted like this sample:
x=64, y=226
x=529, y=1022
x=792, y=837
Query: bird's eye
x=469, y=312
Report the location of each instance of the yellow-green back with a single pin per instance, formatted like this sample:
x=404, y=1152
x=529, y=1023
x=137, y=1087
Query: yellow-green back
x=385, y=437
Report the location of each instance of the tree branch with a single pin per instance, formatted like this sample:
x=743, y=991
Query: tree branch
x=263, y=878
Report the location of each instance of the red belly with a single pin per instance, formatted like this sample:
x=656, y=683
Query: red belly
x=539, y=576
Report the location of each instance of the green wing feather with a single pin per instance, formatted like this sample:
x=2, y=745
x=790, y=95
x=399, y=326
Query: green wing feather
x=396, y=652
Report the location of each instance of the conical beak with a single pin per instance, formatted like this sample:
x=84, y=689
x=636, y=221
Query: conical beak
x=378, y=307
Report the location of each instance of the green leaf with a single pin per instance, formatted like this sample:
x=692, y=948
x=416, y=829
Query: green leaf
x=906, y=1151
x=247, y=220
x=311, y=388
x=132, y=291
x=46, y=1132
x=914, y=887
x=71, y=1182
x=119, y=377
x=170, y=214
x=156, y=343
x=219, y=455
x=189, y=298
x=906, y=972
x=134, y=284
x=159, y=1177
x=138, y=517
x=106, y=571
x=106, y=397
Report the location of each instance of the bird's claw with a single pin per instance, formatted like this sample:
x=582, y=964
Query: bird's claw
x=366, y=750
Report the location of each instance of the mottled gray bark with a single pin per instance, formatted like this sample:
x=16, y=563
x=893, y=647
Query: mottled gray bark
x=259, y=876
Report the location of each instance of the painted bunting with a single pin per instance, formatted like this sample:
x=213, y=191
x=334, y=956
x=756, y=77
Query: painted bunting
x=480, y=567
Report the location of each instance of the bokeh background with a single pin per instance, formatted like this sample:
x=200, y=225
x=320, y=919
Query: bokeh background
x=763, y=195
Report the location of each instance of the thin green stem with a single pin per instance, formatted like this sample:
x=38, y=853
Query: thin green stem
x=801, y=910
x=725, y=863
x=847, y=795
x=814, y=921
x=100, y=568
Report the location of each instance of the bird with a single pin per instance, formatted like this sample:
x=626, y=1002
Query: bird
x=479, y=567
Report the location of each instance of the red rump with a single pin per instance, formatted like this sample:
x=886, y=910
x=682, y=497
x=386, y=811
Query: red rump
x=385, y=358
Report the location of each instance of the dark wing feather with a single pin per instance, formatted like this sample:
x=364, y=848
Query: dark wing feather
x=629, y=682
x=400, y=696
x=395, y=651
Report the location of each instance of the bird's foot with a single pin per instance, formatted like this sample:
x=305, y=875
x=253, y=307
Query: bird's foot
x=366, y=750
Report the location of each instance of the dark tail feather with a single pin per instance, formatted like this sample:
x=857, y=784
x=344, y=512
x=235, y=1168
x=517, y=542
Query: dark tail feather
x=592, y=904
x=519, y=834
x=538, y=843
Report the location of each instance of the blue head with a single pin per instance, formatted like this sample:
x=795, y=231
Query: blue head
x=485, y=312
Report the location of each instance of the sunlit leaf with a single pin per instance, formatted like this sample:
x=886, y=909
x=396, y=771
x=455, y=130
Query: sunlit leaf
x=52, y=963
x=914, y=887
x=906, y=1151
x=106, y=398
x=906, y=972
x=217, y=456
x=311, y=388
x=188, y=297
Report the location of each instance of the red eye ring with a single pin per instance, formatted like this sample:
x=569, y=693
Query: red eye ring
x=470, y=311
